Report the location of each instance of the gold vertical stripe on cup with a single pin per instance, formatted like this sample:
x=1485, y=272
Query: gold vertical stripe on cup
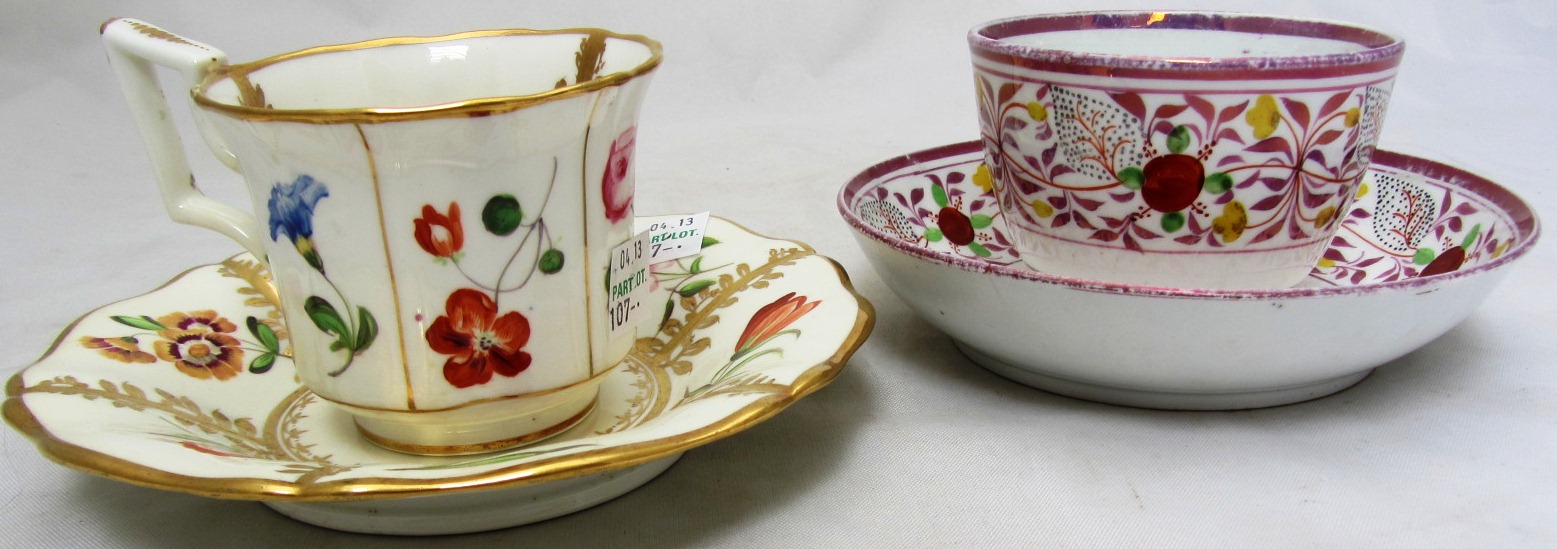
x=583, y=193
x=394, y=287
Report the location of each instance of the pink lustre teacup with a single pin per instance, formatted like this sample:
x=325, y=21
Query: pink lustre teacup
x=436, y=214
x=1191, y=150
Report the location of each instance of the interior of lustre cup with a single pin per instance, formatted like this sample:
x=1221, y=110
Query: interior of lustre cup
x=1196, y=40
x=393, y=75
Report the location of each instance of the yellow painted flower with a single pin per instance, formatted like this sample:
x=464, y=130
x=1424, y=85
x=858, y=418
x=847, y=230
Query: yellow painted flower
x=1264, y=117
x=1353, y=116
x=983, y=179
x=1362, y=190
x=1498, y=251
x=1326, y=263
x=1325, y=217
x=1043, y=209
x=1037, y=111
x=1231, y=224
x=122, y=349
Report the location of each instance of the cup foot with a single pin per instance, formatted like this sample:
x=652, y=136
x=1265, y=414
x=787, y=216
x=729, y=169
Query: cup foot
x=478, y=428
x=478, y=511
x=1162, y=400
x=1246, y=270
x=479, y=447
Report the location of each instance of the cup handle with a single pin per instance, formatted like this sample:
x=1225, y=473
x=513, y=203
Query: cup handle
x=135, y=49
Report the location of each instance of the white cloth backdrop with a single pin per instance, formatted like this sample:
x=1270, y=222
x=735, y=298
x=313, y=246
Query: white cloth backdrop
x=762, y=110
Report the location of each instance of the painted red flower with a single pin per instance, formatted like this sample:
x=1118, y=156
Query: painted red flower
x=1447, y=262
x=955, y=226
x=616, y=188
x=769, y=321
x=1172, y=182
x=481, y=342
x=441, y=235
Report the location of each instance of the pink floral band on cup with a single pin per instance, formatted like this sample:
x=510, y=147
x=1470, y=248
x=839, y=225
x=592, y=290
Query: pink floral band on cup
x=1178, y=149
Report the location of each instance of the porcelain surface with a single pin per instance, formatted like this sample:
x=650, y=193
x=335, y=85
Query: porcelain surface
x=1222, y=160
x=1422, y=246
x=750, y=325
x=443, y=332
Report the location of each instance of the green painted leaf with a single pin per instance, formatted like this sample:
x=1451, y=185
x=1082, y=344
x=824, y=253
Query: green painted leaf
x=367, y=330
x=709, y=241
x=266, y=336
x=1132, y=178
x=502, y=214
x=1172, y=221
x=142, y=322
x=263, y=363
x=932, y=234
x=697, y=265
x=693, y=288
x=1470, y=238
x=326, y=318
x=1218, y=182
x=310, y=254
x=979, y=249
x=980, y=221
x=1178, y=139
x=939, y=194
x=1424, y=256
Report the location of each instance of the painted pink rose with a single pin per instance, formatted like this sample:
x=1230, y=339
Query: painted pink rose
x=616, y=188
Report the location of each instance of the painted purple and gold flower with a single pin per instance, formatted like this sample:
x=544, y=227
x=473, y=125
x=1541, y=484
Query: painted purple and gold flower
x=201, y=354
x=122, y=349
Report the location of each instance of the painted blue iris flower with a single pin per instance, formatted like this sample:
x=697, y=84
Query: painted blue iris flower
x=292, y=212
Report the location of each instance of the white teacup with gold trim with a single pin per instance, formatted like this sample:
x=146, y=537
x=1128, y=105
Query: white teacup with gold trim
x=436, y=214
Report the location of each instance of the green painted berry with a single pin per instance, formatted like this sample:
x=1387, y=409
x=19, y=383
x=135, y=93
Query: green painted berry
x=502, y=214
x=551, y=261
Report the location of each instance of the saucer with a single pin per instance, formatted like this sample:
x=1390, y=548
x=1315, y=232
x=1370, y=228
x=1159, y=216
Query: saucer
x=1422, y=246
x=750, y=325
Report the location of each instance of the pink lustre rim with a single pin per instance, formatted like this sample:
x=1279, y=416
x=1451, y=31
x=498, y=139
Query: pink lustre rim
x=1382, y=51
x=1526, y=225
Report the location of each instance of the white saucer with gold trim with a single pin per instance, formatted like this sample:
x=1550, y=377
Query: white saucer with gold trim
x=178, y=389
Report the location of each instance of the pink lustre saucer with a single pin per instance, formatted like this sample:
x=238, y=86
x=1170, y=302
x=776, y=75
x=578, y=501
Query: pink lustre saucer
x=1422, y=246
x=111, y=399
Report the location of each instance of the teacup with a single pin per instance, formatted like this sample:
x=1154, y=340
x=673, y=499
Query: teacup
x=435, y=212
x=1177, y=149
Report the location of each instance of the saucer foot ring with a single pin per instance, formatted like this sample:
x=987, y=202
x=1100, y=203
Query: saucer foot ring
x=474, y=511
x=1158, y=399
